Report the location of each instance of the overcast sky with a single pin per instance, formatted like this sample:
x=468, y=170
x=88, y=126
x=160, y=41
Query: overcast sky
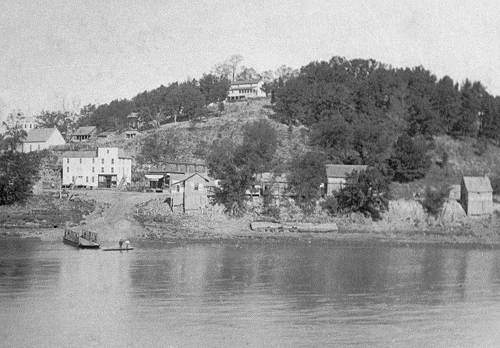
x=71, y=53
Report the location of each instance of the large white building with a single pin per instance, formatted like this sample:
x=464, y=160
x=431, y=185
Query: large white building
x=105, y=168
x=41, y=139
x=240, y=90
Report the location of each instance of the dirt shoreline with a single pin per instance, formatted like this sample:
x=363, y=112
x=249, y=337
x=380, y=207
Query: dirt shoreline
x=119, y=215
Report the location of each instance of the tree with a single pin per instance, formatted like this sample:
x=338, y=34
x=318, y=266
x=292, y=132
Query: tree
x=13, y=137
x=260, y=142
x=307, y=173
x=248, y=74
x=233, y=62
x=366, y=191
x=65, y=121
x=214, y=88
x=18, y=173
x=410, y=160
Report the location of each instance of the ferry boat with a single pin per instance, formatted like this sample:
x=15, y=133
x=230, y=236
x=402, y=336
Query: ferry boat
x=84, y=240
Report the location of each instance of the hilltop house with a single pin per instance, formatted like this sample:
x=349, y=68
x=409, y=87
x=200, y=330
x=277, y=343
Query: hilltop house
x=476, y=195
x=84, y=134
x=105, y=168
x=246, y=89
x=189, y=194
x=41, y=139
x=336, y=175
x=130, y=134
x=163, y=176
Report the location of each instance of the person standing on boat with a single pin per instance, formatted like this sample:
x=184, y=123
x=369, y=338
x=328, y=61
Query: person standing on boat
x=127, y=244
x=120, y=242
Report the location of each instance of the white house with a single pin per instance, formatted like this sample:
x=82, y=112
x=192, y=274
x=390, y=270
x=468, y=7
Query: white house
x=41, y=139
x=247, y=89
x=105, y=168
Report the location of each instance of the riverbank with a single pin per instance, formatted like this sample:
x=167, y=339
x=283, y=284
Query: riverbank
x=139, y=216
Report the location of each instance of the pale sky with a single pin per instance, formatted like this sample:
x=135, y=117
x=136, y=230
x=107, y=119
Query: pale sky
x=71, y=53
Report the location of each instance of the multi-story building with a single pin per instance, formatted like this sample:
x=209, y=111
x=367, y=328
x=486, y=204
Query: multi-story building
x=248, y=89
x=105, y=168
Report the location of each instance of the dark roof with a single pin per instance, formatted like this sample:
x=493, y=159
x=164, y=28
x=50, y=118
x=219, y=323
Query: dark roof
x=177, y=167
x=342, y=170
x=38, y=135
x=477, y=184
x=244, y=82
x=79, y=154
x=85, y=130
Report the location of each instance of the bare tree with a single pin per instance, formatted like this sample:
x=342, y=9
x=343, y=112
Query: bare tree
x=234, y=61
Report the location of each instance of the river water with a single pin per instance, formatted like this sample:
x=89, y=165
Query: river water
x=252, y=294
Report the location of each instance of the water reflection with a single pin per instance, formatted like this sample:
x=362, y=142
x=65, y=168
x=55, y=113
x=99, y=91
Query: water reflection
x=247, y=294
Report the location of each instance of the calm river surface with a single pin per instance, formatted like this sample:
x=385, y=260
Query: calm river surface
x=253, y=294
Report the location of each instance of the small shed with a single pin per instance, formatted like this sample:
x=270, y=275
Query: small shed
x=476, y=195
x=336, y=175
x=84, y=134
x=190, y=194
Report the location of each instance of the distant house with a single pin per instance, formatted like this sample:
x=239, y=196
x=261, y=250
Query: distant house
x=247, y=89
x=476, y=195
x=190, y=194
x=162, y=177
x=84, y=134
x=269, y=183
x=105, y=168
x=336, y=175
x=133, y=120
x=130, y=134
x=41, y=139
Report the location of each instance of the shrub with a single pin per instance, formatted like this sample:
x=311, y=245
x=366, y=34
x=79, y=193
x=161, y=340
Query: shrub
x=366, y=191
x=434, y=199
x=331, y=205
x=495, y=184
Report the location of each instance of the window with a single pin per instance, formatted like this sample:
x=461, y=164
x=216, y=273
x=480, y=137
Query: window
x=102, y=161
x=112, y=170
x=102, y=169
x=93, y=160
x=196, y=187
x=93, y=170
x=73, y=179
x=38, y=146
x=31, y=149
x=86, y=179
x=80, y=161
x=67, y=169
x=178, y=188
x=112, y=161
x=107, y=151
x=67, y=160
x=92, y=179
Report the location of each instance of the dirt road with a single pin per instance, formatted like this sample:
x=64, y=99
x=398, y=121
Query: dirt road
x=116, y=221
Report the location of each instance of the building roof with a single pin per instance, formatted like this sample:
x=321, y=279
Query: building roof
x=104, y=134
x=177, y=167
x=84, y=130
x=79, y=154
x=477, y=184
x=342, y=170
x=270, y=177
x=133, y=115
x=132, y=131
x=244, y=82
x=189, y=176
x=39, y=135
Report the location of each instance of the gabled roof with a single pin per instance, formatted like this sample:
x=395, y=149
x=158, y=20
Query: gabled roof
x=244, y=82
x=85, y=130
x=39, y=135
x=189, y=176
x=477, y=184
x=342, y=170
x=79, y=154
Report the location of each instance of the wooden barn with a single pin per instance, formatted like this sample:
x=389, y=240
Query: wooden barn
x=190, y=194
x=336, y=175
x=476, y=195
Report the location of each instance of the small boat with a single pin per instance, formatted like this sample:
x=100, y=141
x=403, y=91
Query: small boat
x=118, y=249
x=84, y=240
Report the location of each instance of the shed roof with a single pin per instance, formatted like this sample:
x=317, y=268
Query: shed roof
x=342, y=170
x=189, y=176
x=477, y=184
x=79, y=154
x=38, y=135
x=85, y=130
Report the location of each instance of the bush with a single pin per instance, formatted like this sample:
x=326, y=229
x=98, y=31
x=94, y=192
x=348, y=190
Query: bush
x=366, y=191
x=410, y=160
x=434, y=199
x=331, y=205
x=495, y=184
